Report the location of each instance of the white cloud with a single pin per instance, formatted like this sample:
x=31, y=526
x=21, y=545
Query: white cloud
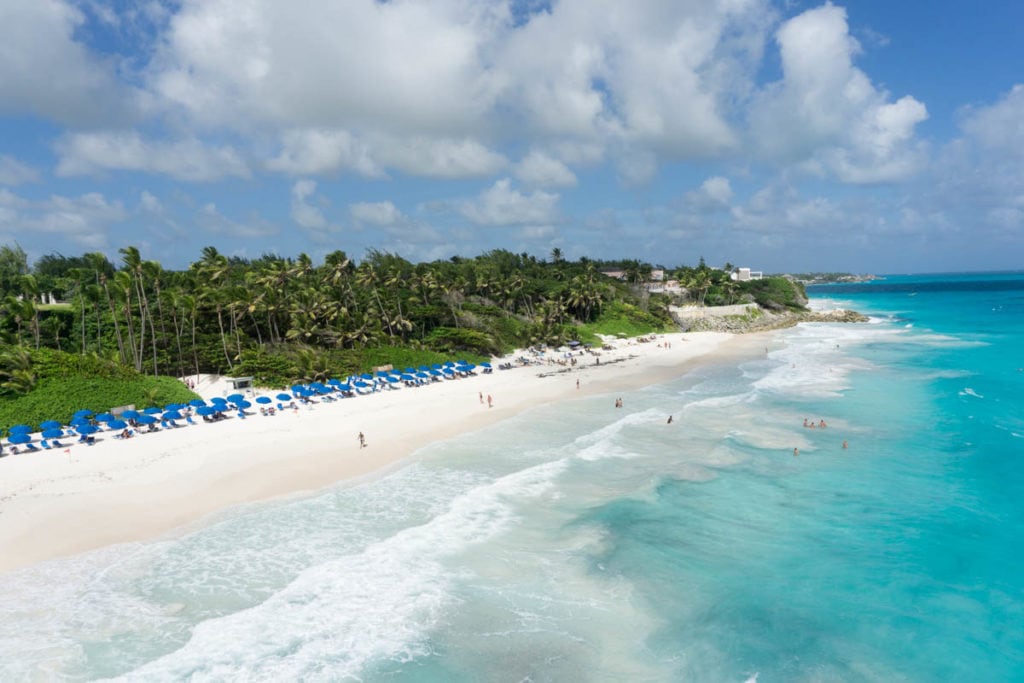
x=190, y=159
x=304, y=213
x=150, y=203
x=14, y=172
x=502, y=205
x=538, y=169
x=45, y=71
x=438, y=157
x=827, y=111
x=376, y=213
x=309, y=151
x=999, y=127
x=84, y=220
x=714, y=193
x=211, y=219
x=317, y=63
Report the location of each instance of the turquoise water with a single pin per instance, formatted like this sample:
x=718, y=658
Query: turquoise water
x=585, y=543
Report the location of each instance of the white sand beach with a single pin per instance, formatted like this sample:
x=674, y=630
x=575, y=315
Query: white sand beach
x=57, y=503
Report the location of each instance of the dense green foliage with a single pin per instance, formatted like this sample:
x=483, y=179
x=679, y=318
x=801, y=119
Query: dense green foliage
x=283, y=320
x=777, y=293
x=60, y=383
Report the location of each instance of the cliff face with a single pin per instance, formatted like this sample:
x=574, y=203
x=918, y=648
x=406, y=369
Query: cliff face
x=762, y=320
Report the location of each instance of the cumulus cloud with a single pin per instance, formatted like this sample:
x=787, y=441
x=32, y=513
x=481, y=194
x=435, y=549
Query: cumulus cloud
x=14, y=172
x=538, y=169
x=999, y=126
x=317, y=63
x=45, y=71
x=310, y=151
x=84, y=220
x=827, y=111
x=714, y=194
x=438, y=157
x=211, y=219
x=376, y=213
x=189, y=159
x=500, y=205
x=304, y=213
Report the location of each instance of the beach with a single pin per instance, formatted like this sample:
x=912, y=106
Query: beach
x=66, y=501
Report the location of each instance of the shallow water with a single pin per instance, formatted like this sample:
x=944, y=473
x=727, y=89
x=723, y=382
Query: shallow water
x=583, y=542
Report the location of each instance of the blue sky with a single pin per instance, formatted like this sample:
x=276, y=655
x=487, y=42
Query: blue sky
x=787, y=136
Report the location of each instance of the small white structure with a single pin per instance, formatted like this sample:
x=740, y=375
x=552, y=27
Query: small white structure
x=745, y=275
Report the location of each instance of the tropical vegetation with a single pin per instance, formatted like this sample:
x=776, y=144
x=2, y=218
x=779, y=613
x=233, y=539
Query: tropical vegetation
x=283, y=319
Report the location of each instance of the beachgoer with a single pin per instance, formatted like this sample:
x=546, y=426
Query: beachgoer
x=577, y=384
x=805, y=423
x=822, y=424
x=490, y=401
x=844, y=444
x=796, y=452
x=481, y=398
x=669, y=419
x=362, y=440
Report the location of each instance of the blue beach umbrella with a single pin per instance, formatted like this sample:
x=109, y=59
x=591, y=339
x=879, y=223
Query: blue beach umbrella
x=174, y=406
x=448, y=371
x=423, y=368
x=243, y=404
x=334, y=382
x=117, y=424
x=85, y=412
x=130, y=414
x=49, y=424
x=264, y=399
x=422, y=375
x=361, y=384
x=79, y=421
x=151, y=411
x=392, y=379
x=104, y=417
x=284, y=397
x=20, y=429
x=345, y=387
x=53, y=433
x=485, y=365
x=87, y=429
x=196, y=402
x=19, y=437
x=235, y=398
x=366, y=375
x=172, y=415
x=435, y=366
x=145, y=419
x=205, y=410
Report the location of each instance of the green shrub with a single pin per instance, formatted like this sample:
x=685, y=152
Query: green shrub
x=58, y=399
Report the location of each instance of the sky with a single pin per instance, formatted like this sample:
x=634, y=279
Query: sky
x=787, y=136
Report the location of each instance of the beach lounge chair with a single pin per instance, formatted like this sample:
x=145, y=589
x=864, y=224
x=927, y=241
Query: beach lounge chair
x=188, y=418
x=45, y=444
x=241, y=414
x=32, y=448
x=57, y=444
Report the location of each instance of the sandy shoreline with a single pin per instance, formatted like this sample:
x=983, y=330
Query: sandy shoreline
x=54, y=503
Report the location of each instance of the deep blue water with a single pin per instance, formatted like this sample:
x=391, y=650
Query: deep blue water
x=583, y=543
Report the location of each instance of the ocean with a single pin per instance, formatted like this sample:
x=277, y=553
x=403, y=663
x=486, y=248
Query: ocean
x=580, y=542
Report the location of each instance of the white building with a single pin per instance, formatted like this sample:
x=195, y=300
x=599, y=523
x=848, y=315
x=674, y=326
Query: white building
x=745, y=275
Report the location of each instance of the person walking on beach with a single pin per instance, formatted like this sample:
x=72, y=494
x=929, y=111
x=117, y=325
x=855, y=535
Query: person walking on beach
x=481, y=398
x=490, y=401
x=669, y=419
x=362, y=441
x=577, y=384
